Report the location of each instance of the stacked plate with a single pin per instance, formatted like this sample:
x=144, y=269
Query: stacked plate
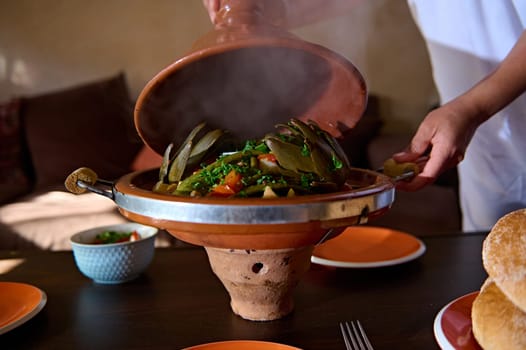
x=19, y=302
x=367, y=246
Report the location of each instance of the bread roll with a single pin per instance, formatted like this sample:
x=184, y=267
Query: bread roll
x=496, y=322
x=504, y=256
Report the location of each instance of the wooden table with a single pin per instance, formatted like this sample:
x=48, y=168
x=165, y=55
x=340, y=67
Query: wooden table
x=179, y=302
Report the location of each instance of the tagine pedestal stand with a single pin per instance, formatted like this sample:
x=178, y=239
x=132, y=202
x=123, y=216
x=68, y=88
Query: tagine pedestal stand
x=260, y=282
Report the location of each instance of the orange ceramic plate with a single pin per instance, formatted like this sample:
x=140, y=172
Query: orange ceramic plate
x=367, y=246
x=19, y=302
x=242, y=345
x=452, y=325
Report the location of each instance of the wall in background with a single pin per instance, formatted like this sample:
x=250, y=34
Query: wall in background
x=54, y=44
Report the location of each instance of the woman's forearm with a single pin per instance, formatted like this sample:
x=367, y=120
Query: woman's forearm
x=502, y=86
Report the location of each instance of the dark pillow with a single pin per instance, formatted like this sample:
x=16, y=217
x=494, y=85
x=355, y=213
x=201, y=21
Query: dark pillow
x=146, y=159
x=355, y=141
x=15, y=165
x=90, y=125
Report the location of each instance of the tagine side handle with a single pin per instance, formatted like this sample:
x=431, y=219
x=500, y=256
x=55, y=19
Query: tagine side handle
x=85, y=179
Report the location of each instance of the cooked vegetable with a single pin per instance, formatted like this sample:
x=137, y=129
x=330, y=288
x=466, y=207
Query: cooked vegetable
x=107, y=237
x=301, y=159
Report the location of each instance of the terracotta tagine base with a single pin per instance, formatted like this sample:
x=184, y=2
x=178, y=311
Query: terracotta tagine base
x=258, y=248
x=260, y=282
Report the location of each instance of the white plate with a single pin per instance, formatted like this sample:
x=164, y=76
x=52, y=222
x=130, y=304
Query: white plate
x=452, y=326
x=19, y=302
x=368, y=246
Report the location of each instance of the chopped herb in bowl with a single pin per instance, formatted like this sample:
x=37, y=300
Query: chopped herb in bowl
x=108, y=237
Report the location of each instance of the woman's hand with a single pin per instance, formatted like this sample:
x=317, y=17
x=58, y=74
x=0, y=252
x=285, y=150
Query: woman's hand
x=212, y=6
x=441, y=139
x=298, y=13
x=446, y=132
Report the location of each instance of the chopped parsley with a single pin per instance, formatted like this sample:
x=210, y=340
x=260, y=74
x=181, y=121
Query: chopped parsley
x=305, y=151
x=306, y=180
x=252, y=145
x=336, y=162
x=269, y=179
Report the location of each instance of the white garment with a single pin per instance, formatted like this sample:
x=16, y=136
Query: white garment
x=466, y=40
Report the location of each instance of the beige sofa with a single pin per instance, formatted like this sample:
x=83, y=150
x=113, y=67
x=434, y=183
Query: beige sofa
x=46, y=220
x=42, y=140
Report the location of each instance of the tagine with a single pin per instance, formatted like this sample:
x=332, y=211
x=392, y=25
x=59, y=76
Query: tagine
x=260, y=208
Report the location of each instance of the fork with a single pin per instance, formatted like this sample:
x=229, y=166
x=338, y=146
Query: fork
x=354, y=336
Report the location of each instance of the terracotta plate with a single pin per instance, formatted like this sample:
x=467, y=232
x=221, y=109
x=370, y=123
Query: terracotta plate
x=19, y=302
x=452, y=325
x=367, y=246
x=242, y=345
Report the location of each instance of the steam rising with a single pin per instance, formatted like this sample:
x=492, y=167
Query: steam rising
x=246, y=91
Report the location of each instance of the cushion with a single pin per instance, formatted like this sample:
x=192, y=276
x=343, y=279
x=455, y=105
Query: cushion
x=84, y=126
x=15, y=165
x=147, y=159
x=355, y=141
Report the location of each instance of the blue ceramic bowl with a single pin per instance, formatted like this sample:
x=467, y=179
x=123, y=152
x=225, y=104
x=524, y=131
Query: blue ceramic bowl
x=115, y=262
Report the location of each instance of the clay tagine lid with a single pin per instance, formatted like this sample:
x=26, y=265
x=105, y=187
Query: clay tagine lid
x=247, y=75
